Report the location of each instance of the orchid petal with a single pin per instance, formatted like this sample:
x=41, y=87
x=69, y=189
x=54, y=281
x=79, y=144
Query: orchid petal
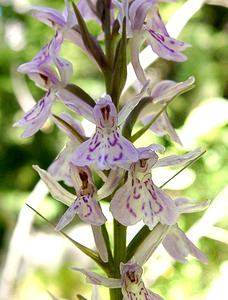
x=76, y=104
x=96, y=279
x=49, y=16
x=179, y=246
x=60, y=167
x=162, y=126
x=100, y=243
x=111, y=183
x=55, y=189
x=166, y=47
x=173, y=160
x=158, y=207
x=35, y=118
x=166, y=90
x=162, y=44
x=87, y=209
x=126, y=204
x=150, y=243
x=185, y=205
x=88, y=10
x=131, y=104
x=136, y=44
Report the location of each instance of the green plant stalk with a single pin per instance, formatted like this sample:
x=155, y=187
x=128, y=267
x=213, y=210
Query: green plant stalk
x=120, y=251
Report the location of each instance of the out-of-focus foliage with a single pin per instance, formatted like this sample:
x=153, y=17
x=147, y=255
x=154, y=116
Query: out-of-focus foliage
x=21, y=38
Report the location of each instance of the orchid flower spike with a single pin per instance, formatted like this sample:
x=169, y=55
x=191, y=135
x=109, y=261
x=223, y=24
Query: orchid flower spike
x=85, y=205
x=131, y=283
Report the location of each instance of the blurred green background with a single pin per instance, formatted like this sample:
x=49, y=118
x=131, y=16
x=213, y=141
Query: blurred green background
x=41, y=262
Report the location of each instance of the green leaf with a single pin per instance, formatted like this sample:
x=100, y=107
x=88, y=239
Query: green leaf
x=92, y=254
x=90, y=42
x=80, y=138
x=133, y=116
x=80, y=93
x=120, y=67
x=136, y=241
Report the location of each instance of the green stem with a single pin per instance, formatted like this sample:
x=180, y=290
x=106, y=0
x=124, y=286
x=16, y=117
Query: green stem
x=120, y=250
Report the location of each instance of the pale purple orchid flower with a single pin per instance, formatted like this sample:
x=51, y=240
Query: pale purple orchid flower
x=131, y=283
x=163, y=93
x=85, y=204
x=144, y=23
x=139, y=198
x=107, y=148
x=40, y=70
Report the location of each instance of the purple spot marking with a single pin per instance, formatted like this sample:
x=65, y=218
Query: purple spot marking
x=88, y=157
x=119, y=157
x=89, y=211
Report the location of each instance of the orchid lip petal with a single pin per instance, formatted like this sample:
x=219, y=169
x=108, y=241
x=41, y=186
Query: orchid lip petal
x=107, y=148
x=88, y=210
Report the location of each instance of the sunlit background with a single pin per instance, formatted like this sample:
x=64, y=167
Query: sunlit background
x=33, y=258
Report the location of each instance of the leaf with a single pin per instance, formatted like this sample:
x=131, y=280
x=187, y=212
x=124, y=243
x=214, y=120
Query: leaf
x=69, y=128
x=120, y=67
x=92, y=254
x=90, y=42
x=133, y=116
x=77, y=91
